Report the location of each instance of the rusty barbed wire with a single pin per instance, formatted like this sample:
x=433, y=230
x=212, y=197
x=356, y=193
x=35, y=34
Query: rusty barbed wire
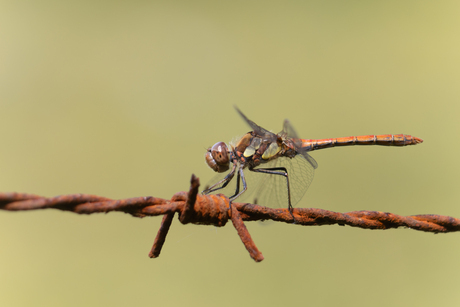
x=216, y=210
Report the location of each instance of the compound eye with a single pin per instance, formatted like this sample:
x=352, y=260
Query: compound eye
x=218, y=158
x=220, y=153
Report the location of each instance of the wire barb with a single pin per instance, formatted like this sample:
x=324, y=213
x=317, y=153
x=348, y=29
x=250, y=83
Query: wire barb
x=216, y=210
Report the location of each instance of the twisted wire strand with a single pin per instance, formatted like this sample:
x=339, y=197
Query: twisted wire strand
x=216, y=210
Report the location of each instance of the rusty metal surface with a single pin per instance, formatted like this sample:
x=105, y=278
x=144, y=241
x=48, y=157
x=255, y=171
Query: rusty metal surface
x=216, y=210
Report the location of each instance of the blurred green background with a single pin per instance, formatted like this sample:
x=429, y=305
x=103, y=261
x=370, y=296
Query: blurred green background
x=121, y=99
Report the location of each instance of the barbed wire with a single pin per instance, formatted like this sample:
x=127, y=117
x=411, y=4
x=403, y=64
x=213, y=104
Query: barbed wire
x=216, y=210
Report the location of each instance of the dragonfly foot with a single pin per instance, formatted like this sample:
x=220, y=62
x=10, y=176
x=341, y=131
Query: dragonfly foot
x=293, y=218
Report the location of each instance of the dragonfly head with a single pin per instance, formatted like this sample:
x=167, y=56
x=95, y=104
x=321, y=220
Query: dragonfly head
x=218, y=158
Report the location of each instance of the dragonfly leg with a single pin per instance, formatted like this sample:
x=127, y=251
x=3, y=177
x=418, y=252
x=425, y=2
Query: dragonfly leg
x=245, y=187
x=282, y=171
x=225, y=181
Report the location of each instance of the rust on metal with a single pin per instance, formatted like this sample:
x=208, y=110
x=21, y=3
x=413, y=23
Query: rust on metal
x=216, y=210
x=245, y=236
x=161, y=235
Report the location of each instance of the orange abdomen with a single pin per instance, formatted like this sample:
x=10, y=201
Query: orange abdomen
x=383, y=140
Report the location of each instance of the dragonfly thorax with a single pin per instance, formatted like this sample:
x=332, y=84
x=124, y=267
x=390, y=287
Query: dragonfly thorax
x=252, y=150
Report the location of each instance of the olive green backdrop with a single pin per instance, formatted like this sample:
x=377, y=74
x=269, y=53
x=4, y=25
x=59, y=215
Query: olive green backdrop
x=121, y=99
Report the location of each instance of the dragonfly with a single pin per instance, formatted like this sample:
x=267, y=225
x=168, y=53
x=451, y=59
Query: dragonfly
x=279, y=164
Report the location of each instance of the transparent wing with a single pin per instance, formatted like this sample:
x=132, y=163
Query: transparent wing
x=289, y=132
x=310, y=159
x=265, y=134
x=271, y=190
